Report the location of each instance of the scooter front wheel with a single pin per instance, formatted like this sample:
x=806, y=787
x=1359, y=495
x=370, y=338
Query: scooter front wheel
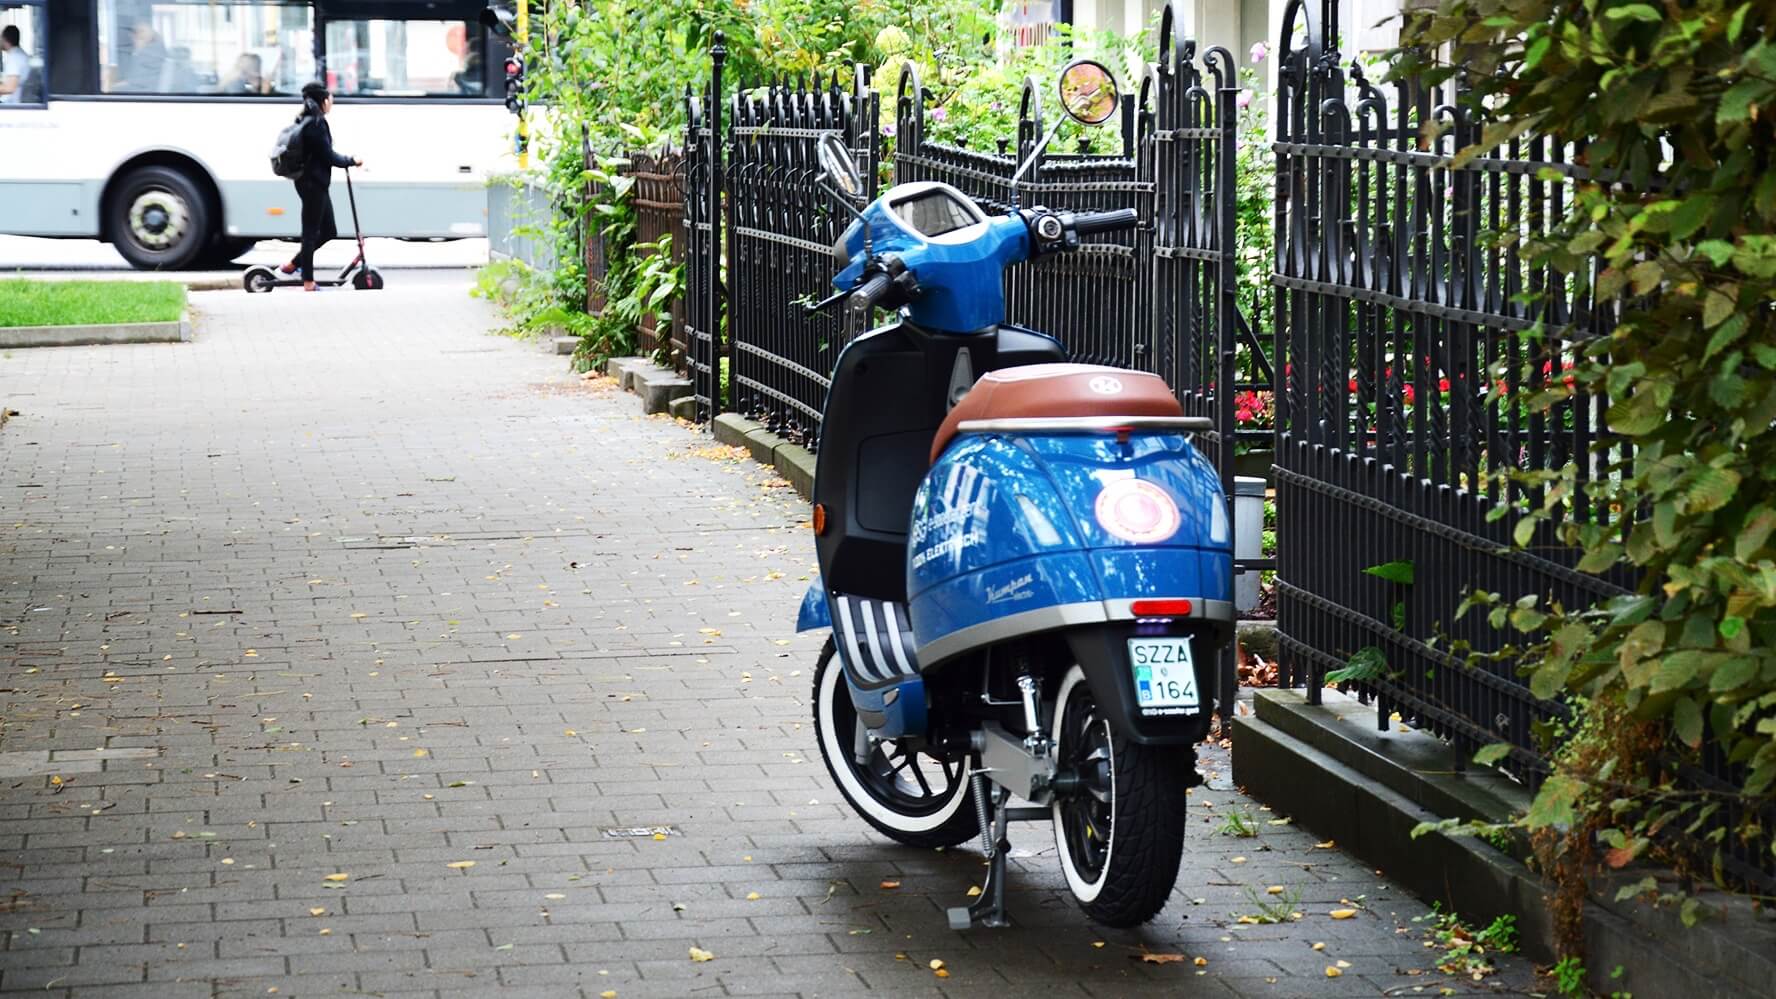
x=1120, y=830
x=907, y=794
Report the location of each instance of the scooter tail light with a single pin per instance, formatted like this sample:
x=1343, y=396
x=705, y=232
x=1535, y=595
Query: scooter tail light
x=1161, y=608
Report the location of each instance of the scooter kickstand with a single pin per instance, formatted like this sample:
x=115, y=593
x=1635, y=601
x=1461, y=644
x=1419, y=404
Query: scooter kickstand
x=989, y=909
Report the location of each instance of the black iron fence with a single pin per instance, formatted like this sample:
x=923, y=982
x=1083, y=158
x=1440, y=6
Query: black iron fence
x=1409, y=329
x=658, y=197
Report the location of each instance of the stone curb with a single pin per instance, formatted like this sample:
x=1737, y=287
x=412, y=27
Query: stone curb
x=792, y=461
x=106, y=333
x=1330, y=770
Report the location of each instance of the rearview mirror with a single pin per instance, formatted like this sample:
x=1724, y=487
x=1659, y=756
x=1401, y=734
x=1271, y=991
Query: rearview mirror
x=838, y=166
x=1088, y=92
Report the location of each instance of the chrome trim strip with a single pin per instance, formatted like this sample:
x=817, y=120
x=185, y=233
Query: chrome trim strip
x=1051, y=619
x=1084, y=424
x=1009, y=626
x=848, y=627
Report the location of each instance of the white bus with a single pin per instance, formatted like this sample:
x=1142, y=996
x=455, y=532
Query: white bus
x=149, y=123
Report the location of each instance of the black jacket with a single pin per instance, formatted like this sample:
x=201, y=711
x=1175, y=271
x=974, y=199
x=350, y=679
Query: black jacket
x=319, y=156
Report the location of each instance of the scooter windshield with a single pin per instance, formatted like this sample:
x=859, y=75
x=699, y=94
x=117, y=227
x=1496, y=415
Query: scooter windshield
x=934, y=213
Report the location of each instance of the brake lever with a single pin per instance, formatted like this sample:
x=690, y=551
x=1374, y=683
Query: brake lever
x=824, y=303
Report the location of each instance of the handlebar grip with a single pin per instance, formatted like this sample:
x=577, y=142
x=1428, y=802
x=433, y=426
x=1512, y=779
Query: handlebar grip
x=870, y=292
x=1091, y=223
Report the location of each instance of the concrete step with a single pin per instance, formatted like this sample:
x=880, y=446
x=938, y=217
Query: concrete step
x=658, y=387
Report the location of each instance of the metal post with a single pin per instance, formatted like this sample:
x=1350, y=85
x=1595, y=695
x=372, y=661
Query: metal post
x=1226, y=309
x=717, y=54
x=522, y=30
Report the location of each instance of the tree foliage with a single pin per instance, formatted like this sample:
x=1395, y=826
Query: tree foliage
x=1675, y=224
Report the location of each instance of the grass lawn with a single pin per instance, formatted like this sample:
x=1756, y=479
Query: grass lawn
x=81, y=303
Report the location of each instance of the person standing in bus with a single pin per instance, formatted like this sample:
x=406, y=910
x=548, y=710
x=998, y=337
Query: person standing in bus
x=15, y=65
x=318, y=160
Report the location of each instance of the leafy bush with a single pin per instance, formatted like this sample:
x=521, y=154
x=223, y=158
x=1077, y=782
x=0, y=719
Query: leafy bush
x=1676, y=227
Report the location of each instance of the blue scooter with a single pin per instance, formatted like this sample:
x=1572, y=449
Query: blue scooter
x=1026, y=567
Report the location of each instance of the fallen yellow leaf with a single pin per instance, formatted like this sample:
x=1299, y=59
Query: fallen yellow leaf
x=1151, y=958
x=1342, y=913
x=973, y=890
x=317, y=911
x=337, y=877
x=752, y=896
x=1329, y=844
x=460, y=865
x=1099, y=944
x=942, y=972
x=1344, y=964
x=1274, y=890
x=890, y=884
x=608, y=994
x=1332, y=972
x=554, y=895
x=937, y=964
x=1319, y=945
x=326, y=932
x=1202, y=962
x=419, y=752
x=700, y=955
x=1239, y=860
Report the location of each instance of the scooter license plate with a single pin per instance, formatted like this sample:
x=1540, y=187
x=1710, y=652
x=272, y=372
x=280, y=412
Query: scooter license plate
x=1165, y=675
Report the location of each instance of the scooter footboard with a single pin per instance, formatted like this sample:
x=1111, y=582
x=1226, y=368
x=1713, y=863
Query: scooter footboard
x=1153, y=681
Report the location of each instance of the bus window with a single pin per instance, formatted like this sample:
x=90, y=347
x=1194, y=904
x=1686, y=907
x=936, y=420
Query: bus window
x=200, y=47
x=21, y=55
x=404, y=58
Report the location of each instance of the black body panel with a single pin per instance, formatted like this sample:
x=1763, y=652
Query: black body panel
x=889, y=394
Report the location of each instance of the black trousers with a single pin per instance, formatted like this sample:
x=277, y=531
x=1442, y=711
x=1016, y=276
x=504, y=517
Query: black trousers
x=317, y=225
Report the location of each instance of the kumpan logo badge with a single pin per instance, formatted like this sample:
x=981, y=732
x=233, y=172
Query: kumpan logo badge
x=1105, y=385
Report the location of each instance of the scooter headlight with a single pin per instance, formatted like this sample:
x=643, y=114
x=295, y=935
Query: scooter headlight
x=1137, y=511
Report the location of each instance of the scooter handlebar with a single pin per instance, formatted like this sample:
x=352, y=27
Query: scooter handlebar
x=1091, y=223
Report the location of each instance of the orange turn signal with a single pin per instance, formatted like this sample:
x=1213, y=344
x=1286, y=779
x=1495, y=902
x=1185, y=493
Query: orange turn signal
x=819, y=519
x=274, y=211
x=1161, y=608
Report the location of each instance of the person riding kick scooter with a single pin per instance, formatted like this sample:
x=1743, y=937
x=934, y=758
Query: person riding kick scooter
x=1026, y=567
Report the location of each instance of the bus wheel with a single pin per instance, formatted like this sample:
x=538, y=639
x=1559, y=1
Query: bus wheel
x=160, y=219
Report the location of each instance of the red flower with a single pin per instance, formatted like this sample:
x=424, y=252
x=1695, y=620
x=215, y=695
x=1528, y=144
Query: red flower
x=1442, y=384
x=1244, y=416
x=1503, y=388
x=1569, y=381
x=1409, y=394
x=1353, y=385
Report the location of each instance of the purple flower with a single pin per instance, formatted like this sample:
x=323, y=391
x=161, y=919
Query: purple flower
x=888, y=130
x=997, y=105
x=1245, y=98
x=939, y=114
x=1259, y=51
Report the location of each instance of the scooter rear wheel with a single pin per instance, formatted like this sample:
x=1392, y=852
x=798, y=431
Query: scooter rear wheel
x=1120, y=835
x=908, y=795
x=258, y=279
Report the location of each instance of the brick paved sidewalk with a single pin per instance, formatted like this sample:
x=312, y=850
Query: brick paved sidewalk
x=337, y=642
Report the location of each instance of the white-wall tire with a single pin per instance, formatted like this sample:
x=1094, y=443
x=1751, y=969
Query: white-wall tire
x=1128, y=882
x=946, y=820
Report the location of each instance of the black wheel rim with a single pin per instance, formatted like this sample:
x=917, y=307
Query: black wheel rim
x=1086, y=812
x=909, y=781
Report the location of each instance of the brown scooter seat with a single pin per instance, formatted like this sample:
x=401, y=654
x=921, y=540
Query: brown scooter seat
x=1058, y=391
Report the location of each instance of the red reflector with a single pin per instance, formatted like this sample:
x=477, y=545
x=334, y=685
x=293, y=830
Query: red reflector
x=1161, y=608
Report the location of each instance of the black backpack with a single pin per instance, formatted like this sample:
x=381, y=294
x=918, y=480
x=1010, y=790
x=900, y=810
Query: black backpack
x=287, y=154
